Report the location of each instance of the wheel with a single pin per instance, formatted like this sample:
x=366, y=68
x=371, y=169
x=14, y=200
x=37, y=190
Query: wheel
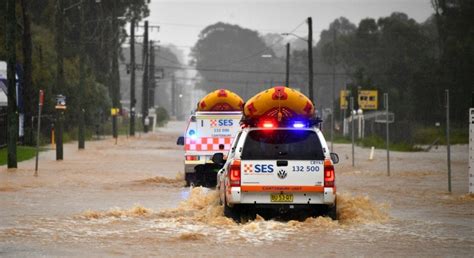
x=190, y=179
x=332, y=211
x=232, y=212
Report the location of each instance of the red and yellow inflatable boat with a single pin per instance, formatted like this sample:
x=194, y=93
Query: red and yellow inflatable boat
x=279, y=102
x=221, y=100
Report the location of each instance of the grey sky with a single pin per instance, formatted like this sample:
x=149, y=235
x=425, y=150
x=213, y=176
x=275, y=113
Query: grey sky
x=182, y=20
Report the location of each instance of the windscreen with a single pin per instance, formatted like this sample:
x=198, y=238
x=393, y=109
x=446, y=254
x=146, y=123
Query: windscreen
x=282, y=144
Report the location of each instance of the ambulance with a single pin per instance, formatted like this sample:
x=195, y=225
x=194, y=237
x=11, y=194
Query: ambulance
x=279, y=164
x=210, y=129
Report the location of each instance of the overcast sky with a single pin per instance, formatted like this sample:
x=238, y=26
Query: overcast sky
x=182, y=20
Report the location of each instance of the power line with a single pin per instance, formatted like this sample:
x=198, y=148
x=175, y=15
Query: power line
x=258, y=53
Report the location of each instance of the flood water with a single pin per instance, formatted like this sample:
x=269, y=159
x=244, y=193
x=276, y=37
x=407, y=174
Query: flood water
x=129, y=199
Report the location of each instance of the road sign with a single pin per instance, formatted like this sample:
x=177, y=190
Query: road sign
x=381, y=117
x=114, y=111
x=60, y=102
x=368, y=99
x=343, y=99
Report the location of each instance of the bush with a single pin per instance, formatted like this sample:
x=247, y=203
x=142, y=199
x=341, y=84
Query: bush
x=380, y=143
x=427, y=135
x=162, y=116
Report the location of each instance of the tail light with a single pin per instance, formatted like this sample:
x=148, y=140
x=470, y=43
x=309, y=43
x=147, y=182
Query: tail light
x=192, y=157
x=329, y=176
x=234, y=173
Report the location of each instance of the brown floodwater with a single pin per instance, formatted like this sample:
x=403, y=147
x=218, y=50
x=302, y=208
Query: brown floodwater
x=129, y=199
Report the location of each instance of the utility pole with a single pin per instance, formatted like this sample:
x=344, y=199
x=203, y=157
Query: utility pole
x=287, y=80
x=333, y=86
x=115, y=87
x=59, y=75
x=38, y=129
x=12, y=108
x=385, y=96
x=151, y=81
x=173, y=96
x=82, y=86
x=310, y=59
x=448, y=144
x=145, y=76
x=133, y=101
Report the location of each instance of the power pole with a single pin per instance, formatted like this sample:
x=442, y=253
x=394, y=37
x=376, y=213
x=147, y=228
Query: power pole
x=151, y=81
x=132, y=79
x=12, y=108
x=115, y=87
x=59, y=76
x=310, y=59
x=287, y=80
x=448, y=144
x=82, y=86
x=333, y=87
x=145, y=75
x=173, y=96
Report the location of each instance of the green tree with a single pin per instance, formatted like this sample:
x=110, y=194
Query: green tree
x=231, y=48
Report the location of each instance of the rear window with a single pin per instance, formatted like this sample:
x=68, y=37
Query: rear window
x=282, y=144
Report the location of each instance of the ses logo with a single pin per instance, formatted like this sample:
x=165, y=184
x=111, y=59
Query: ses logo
x=258, y=169
x=221, y=122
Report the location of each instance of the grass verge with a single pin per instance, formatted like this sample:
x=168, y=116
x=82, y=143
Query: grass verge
x=23, y=153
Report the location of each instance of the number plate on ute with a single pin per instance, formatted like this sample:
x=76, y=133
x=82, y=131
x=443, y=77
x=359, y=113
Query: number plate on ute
x=281, y=198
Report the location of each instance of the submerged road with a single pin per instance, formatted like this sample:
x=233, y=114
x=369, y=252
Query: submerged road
x=129, y=199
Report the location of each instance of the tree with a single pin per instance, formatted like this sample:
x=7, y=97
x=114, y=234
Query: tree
x=228, y=56
x=12, y=133
x=28, y=91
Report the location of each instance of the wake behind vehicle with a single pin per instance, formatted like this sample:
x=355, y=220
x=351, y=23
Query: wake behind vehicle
x=279, y=164
x=210, y=129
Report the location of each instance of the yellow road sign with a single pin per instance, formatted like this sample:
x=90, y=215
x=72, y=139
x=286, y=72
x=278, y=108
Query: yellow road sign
x=343, y=99
x=368, y=99
x=114, y=111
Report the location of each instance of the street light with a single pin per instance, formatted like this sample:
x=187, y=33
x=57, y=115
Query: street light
x=310, y=55
x=293, y=34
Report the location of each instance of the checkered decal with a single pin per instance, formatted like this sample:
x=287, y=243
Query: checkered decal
x=207, y=144
x=213, y=123
x=248, y=168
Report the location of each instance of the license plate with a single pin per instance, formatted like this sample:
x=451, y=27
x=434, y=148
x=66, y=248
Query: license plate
x=281, y=198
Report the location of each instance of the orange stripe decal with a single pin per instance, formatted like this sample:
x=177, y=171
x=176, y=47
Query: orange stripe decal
x=279, y=188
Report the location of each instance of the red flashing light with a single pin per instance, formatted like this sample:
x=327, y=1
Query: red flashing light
x=329, y=175
x=234, y=173
x=268, y=124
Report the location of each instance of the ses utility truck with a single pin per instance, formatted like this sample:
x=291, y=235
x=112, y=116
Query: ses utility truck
x=279, y=164
x=210, y=129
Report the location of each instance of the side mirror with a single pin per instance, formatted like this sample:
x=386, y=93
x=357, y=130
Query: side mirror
x=334, y=158
x=218, y=158
x=180, y=140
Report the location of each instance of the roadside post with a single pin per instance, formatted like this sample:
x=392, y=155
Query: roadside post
x=448, y=144
x=114, y=112
x=352, y=127
x=471, y=150
x=60, y=108
x=385, y=98
x=40, y=107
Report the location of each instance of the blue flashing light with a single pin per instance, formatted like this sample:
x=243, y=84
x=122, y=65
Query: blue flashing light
x=192, y=134
x=298, y=124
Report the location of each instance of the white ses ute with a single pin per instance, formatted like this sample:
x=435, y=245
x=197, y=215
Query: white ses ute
x=278, y=170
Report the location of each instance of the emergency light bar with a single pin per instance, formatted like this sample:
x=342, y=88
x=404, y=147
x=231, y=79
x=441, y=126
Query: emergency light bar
x=269, y=123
